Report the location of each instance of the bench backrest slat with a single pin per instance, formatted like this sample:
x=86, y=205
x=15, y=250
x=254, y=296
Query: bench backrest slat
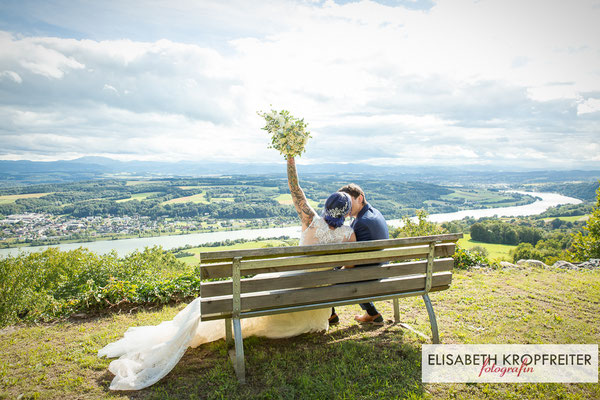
x=283, y=298
x=328, y=277
x=272, y=252
x=251, y=267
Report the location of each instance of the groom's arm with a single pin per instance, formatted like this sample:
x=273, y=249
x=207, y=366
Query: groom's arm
x=305, y=211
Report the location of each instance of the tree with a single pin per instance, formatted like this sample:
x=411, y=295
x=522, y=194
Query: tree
x=587, y=245
x=421, y=228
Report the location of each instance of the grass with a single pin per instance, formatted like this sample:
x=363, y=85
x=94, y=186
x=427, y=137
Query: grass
x=199, y=198
x=286, y=199
x=193, y=260
x=11, y=198
x=138, y=196
x=483, y=197
x=495, y=251
x=574, y=218
x=141, y=182
x=58, y=361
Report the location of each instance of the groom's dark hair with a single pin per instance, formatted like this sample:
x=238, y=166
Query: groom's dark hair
x=353, y=190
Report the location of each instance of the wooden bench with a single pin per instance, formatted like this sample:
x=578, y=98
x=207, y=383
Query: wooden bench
x=403, y=267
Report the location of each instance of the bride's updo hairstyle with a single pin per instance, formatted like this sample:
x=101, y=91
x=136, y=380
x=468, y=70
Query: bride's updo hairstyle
x=337, y=205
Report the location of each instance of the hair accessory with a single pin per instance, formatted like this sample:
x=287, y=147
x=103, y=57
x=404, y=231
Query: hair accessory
x=337, y=205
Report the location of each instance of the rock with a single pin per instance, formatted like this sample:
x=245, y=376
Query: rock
x=565, y=265
x=593, y=263
x=534, y=263
x=506, y=264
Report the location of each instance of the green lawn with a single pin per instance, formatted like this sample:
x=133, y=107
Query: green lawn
x=495, y=251
x=11, y=198
x=574, y=218
x=199, y=198
x=58, y=361
x=141, y=182
x=482, y=197
x=286, y=199
x=193, y=260
x=138, y=196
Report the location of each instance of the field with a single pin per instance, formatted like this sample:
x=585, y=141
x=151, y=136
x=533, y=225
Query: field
x=495, y=251
x=58, y=361
x=199, y=199
x=575, y=218
x=286, y=199
x=482, y=197
x=141, y=182
x=138, y=196
x=193, y=260
x=13, y=197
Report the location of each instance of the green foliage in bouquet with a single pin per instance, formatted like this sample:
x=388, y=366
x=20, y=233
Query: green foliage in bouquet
x=288, y=134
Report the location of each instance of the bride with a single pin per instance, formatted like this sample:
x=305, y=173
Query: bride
x=146, y=354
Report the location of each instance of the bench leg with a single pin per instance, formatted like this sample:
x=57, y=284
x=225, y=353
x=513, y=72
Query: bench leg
x=432, y=321
x=238, y=363
x=396, y=311
x=228, y=335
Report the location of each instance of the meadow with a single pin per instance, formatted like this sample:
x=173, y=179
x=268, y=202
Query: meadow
x=193, y=260
x=58, y=360
x=498, y=252
x=138, y=196
x=11, y=198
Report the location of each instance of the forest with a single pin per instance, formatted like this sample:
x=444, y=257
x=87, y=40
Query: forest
x=234, y=197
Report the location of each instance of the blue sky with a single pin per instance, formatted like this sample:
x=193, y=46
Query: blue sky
x=490, y=83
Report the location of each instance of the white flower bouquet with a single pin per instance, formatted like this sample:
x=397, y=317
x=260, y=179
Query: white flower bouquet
x=288, y=134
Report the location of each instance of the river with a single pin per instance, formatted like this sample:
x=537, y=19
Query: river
x=126, y=246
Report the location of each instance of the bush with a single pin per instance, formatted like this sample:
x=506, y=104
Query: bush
x=53, y=283
x=587, y=245
x=481, y=250
x=465, y=259
x=421, y=228
x=547, y=251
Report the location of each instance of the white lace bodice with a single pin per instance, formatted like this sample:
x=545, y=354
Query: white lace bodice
x=320, y=233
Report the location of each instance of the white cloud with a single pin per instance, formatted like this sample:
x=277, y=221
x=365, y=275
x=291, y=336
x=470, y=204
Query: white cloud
x=375, y=82
x=11, y=75
x=588, y=106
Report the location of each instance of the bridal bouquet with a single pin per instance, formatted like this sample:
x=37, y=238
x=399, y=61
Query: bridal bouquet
x=288, y=134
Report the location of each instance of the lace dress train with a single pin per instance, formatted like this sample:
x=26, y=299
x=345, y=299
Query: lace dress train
x=148, y=353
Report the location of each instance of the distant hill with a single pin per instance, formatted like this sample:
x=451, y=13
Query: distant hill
x=89, y=168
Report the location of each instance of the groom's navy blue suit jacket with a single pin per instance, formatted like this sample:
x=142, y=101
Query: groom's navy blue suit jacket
x=370, y=225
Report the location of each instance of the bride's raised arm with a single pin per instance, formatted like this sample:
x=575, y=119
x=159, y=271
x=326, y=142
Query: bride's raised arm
x=305, y=211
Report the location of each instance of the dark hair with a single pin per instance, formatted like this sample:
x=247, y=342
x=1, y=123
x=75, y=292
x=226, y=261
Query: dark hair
x=353, y=190
x=337, y=206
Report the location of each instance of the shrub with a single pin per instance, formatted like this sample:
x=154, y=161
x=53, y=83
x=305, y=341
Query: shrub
x=547, y=251
x=54, y=283
x=420, y=228
x=587, y=245
x=481, y=250
x=465, y=259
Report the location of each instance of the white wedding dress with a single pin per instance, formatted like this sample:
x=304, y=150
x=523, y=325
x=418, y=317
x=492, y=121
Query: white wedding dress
x=147, y=353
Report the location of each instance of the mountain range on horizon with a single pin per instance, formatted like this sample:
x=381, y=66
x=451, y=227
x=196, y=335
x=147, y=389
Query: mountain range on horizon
x=88, y=168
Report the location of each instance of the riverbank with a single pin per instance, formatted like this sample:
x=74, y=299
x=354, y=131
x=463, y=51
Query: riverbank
x=83, y=241
x=126, y=246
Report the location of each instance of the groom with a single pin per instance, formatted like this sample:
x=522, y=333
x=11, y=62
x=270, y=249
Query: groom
x=368, y=224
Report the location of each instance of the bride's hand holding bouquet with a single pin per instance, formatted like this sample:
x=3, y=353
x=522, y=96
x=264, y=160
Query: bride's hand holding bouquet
x=289, y=136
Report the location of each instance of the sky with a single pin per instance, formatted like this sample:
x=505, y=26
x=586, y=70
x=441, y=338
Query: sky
x=509, y=84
